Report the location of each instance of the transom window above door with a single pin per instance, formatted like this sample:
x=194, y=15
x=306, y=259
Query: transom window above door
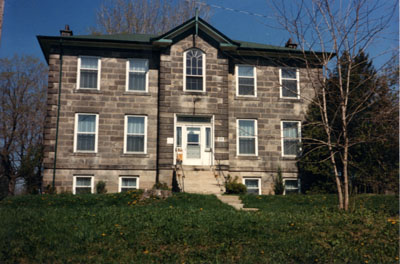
x=194, y=72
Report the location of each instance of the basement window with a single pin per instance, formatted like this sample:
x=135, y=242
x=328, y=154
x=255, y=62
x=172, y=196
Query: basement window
x=128, y=183
x=291, y=186
x=83, y=184
x=253, y=185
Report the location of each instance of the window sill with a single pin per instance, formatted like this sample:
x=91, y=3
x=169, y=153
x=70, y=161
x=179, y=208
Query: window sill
x=139, y=93
x=292, y=158
x=286, y=99
x=194, y=92
x=247, y=157
x=86, y=154
x=134, y=155
x=247, y=98
x=90, y=91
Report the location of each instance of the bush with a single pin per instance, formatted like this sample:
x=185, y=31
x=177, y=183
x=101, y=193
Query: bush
x=50, y=189
x=278, y=183
x=234, y=187
x=101, y=187
x=160, y=186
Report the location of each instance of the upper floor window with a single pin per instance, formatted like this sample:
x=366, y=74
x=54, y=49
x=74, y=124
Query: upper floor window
x=194, y=73
x=137, y=75
x=290, y=138
x=89, y=73
x=289, y=81
x=247, y=137
x=246, y=80
x=86, y=133
x=135, y=134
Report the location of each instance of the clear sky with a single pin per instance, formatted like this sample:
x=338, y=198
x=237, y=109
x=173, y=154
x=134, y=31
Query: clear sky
x=25, y=19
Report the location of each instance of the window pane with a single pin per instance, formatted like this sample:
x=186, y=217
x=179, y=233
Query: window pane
x=290, y=147
x=194, y=83
x=135, y=144
x=193, y=151
x=88, y=79
x=135, y=125
x=246, y=86
x=246, y=128
x=291, y=184
x=289, y=73
x=89, y=63
x=137, y=81
x=138, y=65
x=289, y=88
x=85, y=142
x=250, y=183
x=247, y=146
x=83, y=181
x=246, y=71
x=290, y=130
x=208, y=137
x=193, y=135
x=128, y=182
x=194, y=63
x=179, y=136
x=86, y=123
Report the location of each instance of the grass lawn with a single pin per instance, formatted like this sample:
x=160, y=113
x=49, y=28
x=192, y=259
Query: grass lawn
x=188, y=228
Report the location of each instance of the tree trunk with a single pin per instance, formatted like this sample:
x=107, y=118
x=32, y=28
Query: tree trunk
x=11, y=186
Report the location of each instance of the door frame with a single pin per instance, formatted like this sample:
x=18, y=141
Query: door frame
x=211, y=124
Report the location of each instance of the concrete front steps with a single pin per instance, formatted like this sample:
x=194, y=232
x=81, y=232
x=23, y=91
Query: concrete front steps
x=201, y=181
x=235, y=202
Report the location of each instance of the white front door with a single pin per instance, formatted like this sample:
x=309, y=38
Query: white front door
x=196, y=144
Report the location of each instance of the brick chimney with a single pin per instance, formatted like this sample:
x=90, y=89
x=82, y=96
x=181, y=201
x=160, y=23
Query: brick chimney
x=289, y=44
x=66, y=32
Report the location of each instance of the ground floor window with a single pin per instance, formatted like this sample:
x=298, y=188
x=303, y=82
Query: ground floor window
x=253, y=185
x=128, y=183
x=82, y=184
x=291, y=186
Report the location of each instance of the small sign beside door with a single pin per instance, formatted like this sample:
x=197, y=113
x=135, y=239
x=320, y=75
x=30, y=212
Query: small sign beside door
x=170, y=141
x=220, y=139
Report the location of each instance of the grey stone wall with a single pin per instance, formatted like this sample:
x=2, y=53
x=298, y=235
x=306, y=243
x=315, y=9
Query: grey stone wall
x=111, y=103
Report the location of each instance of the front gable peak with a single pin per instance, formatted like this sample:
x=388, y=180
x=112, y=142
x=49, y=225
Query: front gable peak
x=196, y=26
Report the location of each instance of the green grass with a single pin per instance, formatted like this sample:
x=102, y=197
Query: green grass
x=118, y=228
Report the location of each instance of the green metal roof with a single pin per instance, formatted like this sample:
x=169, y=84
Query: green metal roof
x=116, y=37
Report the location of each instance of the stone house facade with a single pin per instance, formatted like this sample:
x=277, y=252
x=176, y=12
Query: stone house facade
x=190, y=106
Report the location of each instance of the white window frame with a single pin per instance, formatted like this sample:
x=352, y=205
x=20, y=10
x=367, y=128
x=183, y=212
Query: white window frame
x=78, y=78
x=127, y=76
x=237, y=80
x=291, y=179
x=283, y=139
x=297, y=81
x=82, y=176
x=203, y=67
x=126, y=135
x=255, y=136
x=252, y=178
x=76, y=133
x=130, y=177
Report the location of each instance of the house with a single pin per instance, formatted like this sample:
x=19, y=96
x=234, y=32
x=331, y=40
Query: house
x=190, y=105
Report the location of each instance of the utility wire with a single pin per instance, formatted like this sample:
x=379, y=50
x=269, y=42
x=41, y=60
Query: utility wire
x=231, y=9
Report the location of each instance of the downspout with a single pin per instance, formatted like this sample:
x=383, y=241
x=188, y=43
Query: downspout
x=158, y=122
x=58, y=114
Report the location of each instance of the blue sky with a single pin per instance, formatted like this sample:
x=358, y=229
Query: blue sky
x=24, y=19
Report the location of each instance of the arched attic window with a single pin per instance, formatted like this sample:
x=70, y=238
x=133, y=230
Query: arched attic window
x=194, y=73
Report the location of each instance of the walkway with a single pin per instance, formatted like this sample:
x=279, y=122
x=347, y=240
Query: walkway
x=234, y=201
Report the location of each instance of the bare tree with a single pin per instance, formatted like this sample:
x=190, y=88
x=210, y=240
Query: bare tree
x=144, y=16
x=1, y=16
x=22, y=111
x=340, y=30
